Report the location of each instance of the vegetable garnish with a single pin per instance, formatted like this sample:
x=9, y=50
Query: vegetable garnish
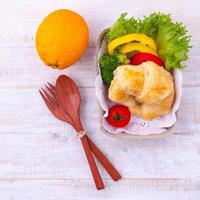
x=172, y=39
x=139, y=58
x=142, y=38
x=108, y=63
x=155, y=34
x=118, y=116
x=135, y=46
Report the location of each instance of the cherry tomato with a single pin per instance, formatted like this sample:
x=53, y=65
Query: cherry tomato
x=118, y=116
x=139, y=58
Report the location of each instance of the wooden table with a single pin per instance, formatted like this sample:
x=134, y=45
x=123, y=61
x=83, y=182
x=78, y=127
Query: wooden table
x=40, y=157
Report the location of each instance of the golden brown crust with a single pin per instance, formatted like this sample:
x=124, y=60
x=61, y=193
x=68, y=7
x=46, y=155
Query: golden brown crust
x=147, y=89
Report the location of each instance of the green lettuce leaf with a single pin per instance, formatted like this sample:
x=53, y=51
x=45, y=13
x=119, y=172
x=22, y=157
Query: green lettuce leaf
x=121, y=27
x=172, y=38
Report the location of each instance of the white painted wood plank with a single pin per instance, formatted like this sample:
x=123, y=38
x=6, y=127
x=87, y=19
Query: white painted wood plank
x=60, y=155
x=140, y=189
x=99, y=15
x=22, y=68
x=23, y=111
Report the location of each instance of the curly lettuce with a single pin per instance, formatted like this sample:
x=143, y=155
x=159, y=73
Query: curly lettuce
x=122, y=26
x=172, y=39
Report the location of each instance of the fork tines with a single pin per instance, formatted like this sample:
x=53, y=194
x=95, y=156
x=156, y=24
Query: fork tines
x=49, y=99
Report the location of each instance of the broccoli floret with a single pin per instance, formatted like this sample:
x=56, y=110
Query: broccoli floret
x=108, y=63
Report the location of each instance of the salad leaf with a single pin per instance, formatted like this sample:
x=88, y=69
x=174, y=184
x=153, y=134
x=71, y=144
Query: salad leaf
x=121, y=27
x=172, y=38
x=108, y=63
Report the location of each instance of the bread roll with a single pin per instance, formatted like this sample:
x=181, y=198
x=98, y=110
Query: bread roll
x=147, y=89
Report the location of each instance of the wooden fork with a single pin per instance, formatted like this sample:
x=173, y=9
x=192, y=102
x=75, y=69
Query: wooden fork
x=52, y=104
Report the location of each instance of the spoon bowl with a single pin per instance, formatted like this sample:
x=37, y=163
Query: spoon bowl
x=69, y=98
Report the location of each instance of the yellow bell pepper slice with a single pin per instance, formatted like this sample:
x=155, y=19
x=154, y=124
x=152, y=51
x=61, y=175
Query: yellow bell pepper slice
x=142, y=38
x=135, y=46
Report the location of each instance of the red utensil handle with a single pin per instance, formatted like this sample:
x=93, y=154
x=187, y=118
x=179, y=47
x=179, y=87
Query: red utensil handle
x=112, y=171
x=93, y=167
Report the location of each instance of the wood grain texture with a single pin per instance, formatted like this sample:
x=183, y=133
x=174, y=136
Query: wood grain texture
x=22, y=68
x=60, y=155
x=40, y=158
x=82, y=189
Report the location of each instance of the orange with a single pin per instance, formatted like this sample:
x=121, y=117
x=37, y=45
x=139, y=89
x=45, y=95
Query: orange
x=62, y=38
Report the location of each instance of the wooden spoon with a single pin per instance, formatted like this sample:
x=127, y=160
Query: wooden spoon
x=68, y=96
